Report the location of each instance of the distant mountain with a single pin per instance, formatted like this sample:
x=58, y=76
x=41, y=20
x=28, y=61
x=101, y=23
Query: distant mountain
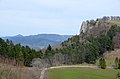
x=38, y=41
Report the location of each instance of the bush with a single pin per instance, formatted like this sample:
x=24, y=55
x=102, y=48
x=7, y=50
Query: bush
x=102, y=63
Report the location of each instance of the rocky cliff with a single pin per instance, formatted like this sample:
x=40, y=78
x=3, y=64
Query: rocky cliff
x=98, y=26
x=101, y=26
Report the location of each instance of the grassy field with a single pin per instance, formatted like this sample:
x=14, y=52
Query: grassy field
x=82, y=73
x=114, y=22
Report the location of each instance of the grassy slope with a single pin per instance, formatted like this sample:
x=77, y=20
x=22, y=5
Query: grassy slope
x=110, y=56
x=82, y=73
x=114, y=22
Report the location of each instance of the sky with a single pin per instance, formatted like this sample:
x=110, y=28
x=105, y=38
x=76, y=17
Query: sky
x=31, y=17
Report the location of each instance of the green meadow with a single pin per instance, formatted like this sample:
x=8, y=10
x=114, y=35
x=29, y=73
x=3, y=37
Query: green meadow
x=82, y=73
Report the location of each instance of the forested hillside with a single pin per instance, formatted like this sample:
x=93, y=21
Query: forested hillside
x=38, y=41
x=16, y=54
x=94, y=40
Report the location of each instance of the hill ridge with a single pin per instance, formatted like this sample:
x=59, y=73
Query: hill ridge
x=38, y=41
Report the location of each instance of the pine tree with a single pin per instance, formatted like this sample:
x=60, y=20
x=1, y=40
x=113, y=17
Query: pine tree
x=102, y=63
x=116, y=62
x=119, y=64
x=48, y=54
x=118, y=75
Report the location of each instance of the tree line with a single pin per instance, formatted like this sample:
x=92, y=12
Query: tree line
x=18, y=53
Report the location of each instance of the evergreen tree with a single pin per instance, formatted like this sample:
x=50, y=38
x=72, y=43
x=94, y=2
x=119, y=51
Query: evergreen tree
x=119, y=64
x=116, y=62
x=102, y=63
x=17, y=52
x=118, y=75
x=49, y=53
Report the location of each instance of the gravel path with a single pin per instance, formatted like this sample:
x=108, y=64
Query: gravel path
x=42, y=73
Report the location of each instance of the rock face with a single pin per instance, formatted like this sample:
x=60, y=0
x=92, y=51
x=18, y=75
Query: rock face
x=100, y=26
x=84, y=27
x=94, y=27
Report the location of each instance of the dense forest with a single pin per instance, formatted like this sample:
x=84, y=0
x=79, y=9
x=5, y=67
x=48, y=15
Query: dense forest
x=20, y=55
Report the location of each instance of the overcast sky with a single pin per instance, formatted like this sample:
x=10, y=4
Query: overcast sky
x=29, y=17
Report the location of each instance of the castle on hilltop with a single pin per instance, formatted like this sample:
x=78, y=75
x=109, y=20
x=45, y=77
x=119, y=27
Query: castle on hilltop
x=110, y=18
x=100, y=26
x=95, y=27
